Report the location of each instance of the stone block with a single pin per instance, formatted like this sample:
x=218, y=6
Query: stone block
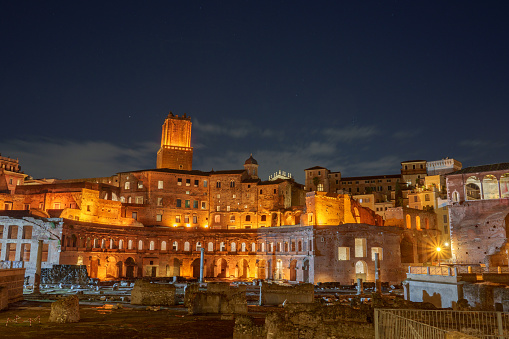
x=145, y=293
x=66, y=310
x=274, y=294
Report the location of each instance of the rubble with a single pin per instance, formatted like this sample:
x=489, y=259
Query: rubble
x=146, y=293
x=65, y=310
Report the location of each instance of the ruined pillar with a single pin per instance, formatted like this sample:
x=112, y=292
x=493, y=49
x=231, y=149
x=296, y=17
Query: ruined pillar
x=38, y=264
x=202, y=255
x=359, y=286
x=378, y=283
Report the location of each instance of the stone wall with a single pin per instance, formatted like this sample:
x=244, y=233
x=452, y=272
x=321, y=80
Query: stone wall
x=65, y=274
x=12, y=280
x=309, y=321
x=275, y=294
x=220, y=298
x=151, y=294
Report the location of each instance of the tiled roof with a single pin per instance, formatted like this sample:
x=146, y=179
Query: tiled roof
x=483, y=168
x=191, y=172
x=389, y=176
x=316, y=167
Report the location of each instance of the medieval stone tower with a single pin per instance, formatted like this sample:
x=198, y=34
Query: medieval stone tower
x=176, y=151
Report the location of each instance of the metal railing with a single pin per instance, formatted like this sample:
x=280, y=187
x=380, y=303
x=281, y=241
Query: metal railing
x=433, y=324
x=481, y=270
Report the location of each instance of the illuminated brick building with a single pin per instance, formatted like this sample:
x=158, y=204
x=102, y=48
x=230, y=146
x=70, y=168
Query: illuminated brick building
x=153, y=222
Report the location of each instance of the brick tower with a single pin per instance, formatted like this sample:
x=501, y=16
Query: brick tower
x=176, y=151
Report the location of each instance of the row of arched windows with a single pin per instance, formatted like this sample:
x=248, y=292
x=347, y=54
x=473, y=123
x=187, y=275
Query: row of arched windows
x=104, y=243
x=487, y=188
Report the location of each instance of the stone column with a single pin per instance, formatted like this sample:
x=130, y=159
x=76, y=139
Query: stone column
x=202, y=255
x=38, y=264
x=359, y=286
x=378, y=283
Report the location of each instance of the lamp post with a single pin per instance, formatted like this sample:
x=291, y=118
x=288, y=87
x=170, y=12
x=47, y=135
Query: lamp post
x=438, y=249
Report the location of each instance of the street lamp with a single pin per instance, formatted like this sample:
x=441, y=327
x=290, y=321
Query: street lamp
x=438, y=249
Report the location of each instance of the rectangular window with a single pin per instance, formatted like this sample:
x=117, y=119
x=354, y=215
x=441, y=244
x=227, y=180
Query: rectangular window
x=186, y=219
x=188, y=182
x=56, y=206
x=188, y=203
x=195, y=219
x=195, y=203
x=139, y=200
x=204, y=183
x=203, y=205
x=389, y=188
x=135, y=215
x=160, y=184
x=360, y=247
x=426, y=197
x=228, y=208
x=27, y=232
x=218, y=208
x=177, y=218
x=196, y=183
x=26, y=207
x=179, y=203
x=343, y=253
x=378, y=250
x=234, y=196
x=159, y=201
x=179, y=181
x=218, y=184
x=140, y=184
x=127, y=185
x=159, y=217
x=445, y=218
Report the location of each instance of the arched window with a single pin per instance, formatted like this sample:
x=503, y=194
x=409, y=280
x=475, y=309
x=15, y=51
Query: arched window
x=129, y=244
x=248, y=218
x=243, y=247
x=198, y=245
x=103, y=243
x=232, y=184
x=473, y=188
x=211, y=246
x=426, y=223
x=175, y=246
x=319, y=188
x=418, y=222
x=233, y=247
x=163, y=245
x=152, y=245
x=504, y=185
x=490, y=187
x=222, y=246
x=408, y=221
x=121, y=244
x=187, y=247
x=217, y=218
x=112, y=243
x=253, y=247
x=140, y=244
x=263, y=247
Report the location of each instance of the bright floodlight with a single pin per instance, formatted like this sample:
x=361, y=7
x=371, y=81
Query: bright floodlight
x=438, y=249
x=446, y=244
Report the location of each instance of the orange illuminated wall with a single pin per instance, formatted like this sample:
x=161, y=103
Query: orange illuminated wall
x=176, y=151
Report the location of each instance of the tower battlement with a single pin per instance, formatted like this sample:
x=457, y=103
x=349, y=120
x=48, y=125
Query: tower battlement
x=176, y=151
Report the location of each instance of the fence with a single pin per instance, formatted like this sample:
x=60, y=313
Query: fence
x=432, y=324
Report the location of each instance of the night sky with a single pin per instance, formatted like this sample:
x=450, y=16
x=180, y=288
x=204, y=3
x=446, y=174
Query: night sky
x=354, y=86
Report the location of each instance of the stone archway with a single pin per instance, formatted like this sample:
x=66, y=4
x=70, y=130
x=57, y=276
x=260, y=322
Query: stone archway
x=195, y=268
x=175, y=266
x=407, y=251
x=243, y=269
x=293, y=270
x=129, y=268
x=262, y=266
x=221, y=268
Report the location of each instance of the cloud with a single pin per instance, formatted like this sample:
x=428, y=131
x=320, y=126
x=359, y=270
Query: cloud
x=349, y=134
x=66, y=159
x=405, y=134
x=233, y=128
x=477, y=143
